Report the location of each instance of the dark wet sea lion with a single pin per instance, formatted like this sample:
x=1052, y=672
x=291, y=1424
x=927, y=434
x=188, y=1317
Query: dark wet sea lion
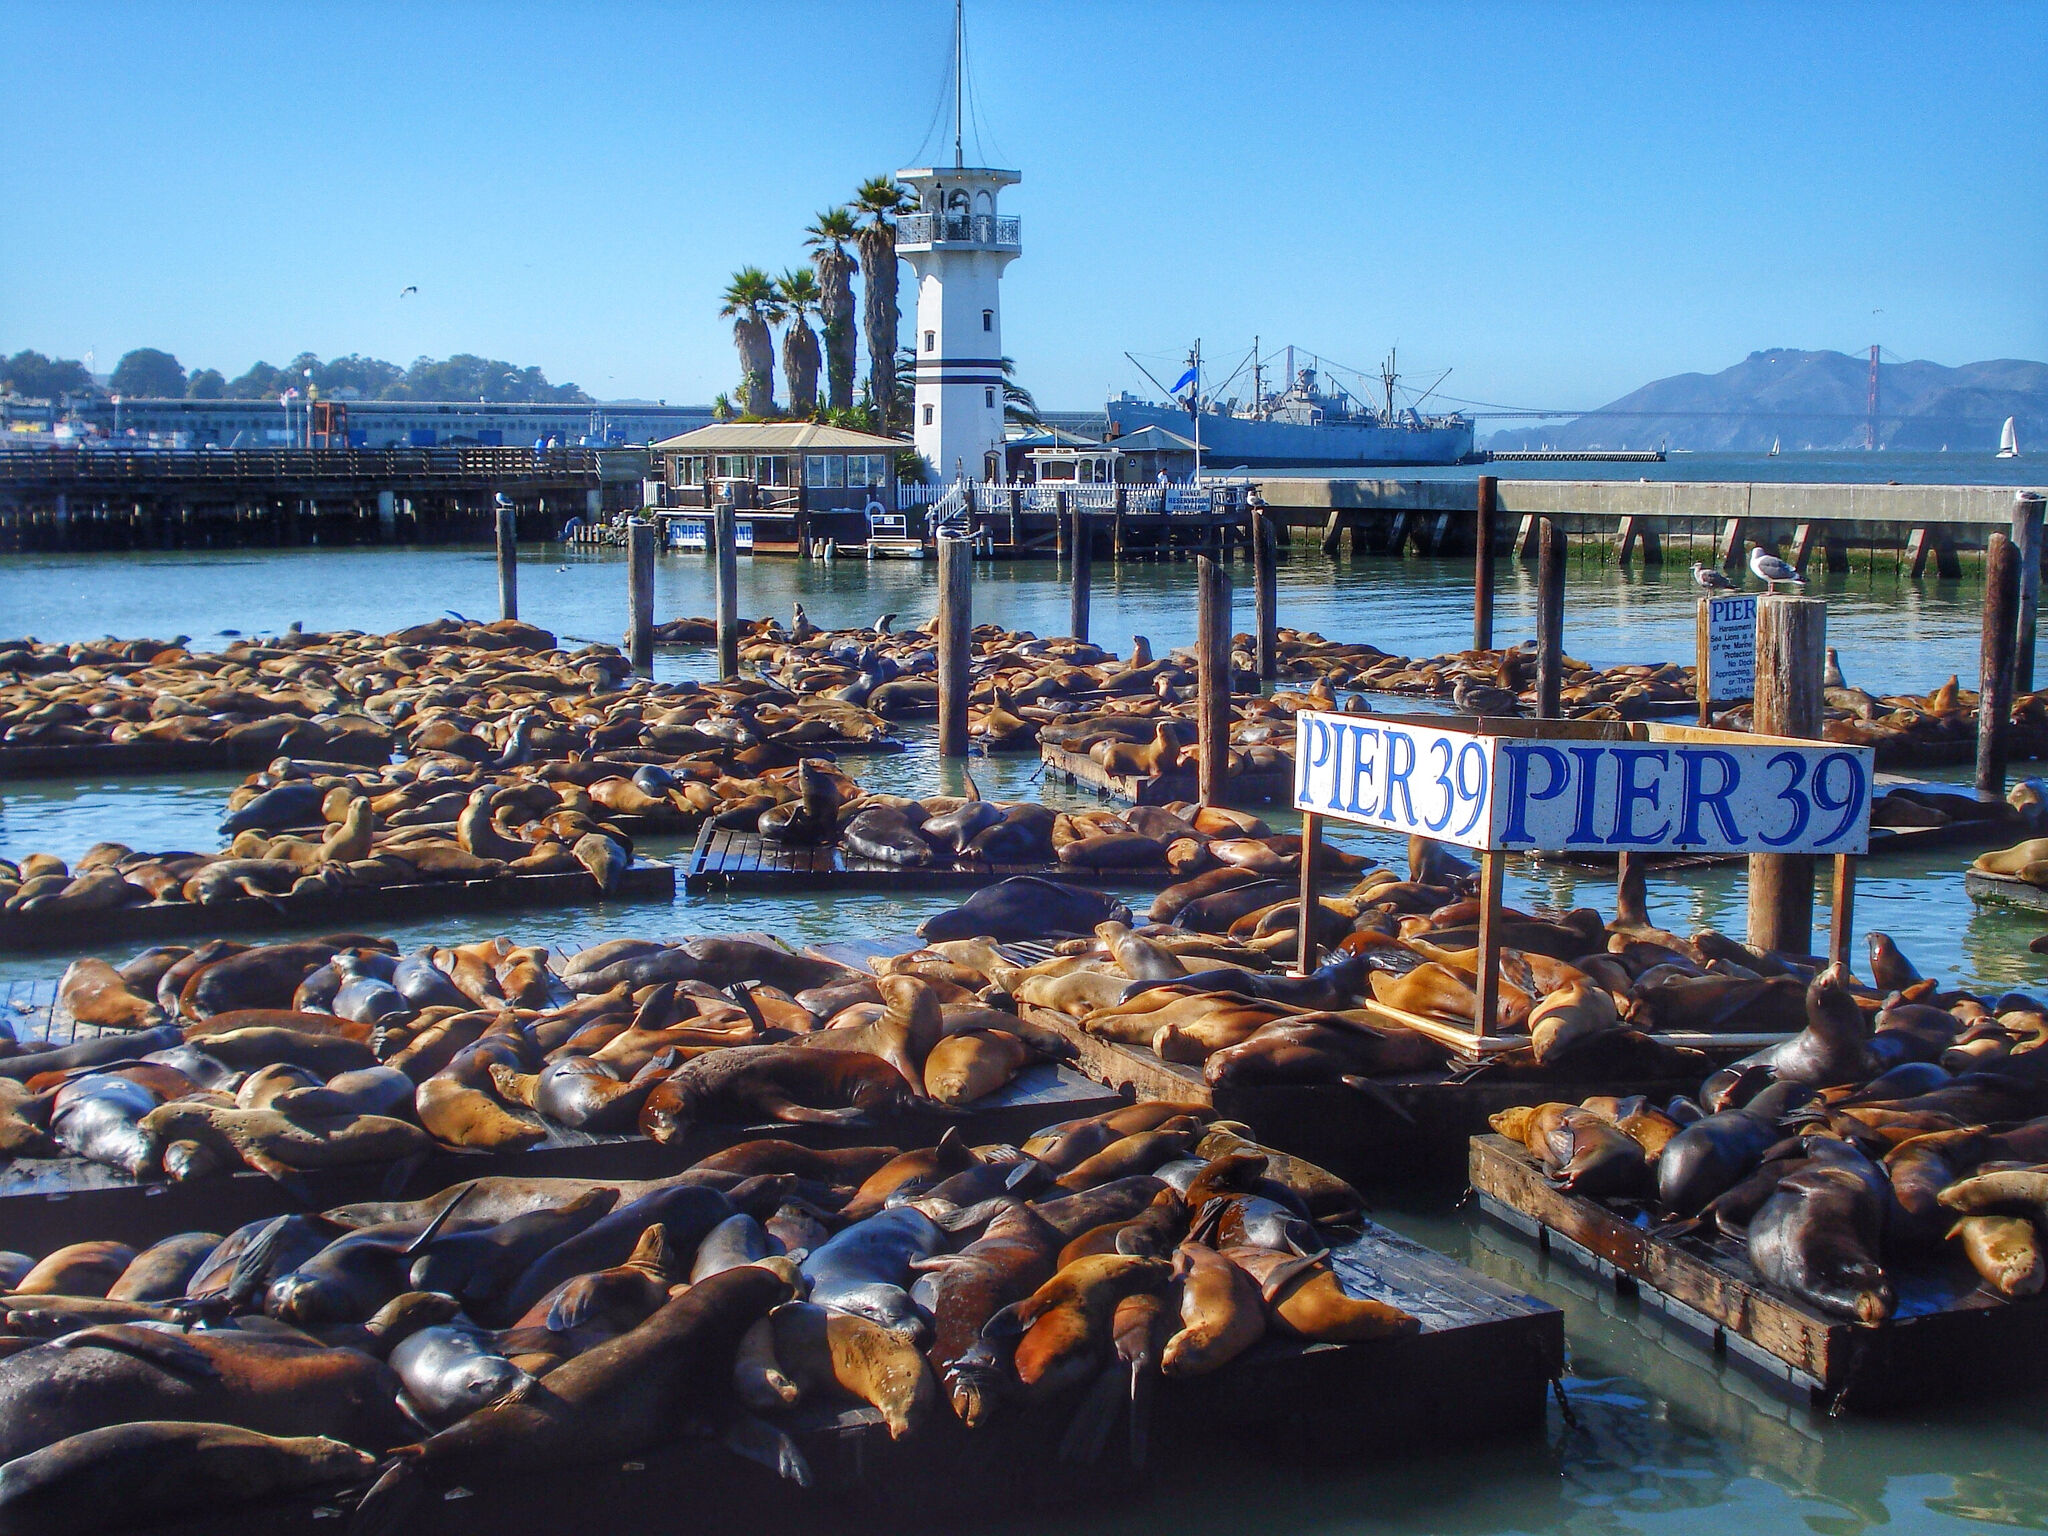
x=612, y=1401
x=576, y=1091
x=1025, y=906
x=885, y=834
x=120, y=1372
x=264, y=977
x=453, y=1369
x=1889, y=969
x=1818, y=1237
x=1590, y=1155
x=1710, y=1155
x=260, y=1046
x=92, y=1052
x=866, y=1268
x=1016, y=1253
x=683, y=1212
x=739, y=1239
x=100, y=1117
x=1834, y=1047
x=781, y=1082
x=154, y=1471
x=1118, y=1200
x=479, y=1266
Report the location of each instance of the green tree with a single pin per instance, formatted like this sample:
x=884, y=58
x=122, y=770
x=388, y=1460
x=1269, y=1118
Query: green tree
x=149, y=374
x=750, y=301
x=1018, y=406
x=827, y=240
x=878, y=202
x=260, y=382
x=799, y=294
x=206, y=384
x=43, y=378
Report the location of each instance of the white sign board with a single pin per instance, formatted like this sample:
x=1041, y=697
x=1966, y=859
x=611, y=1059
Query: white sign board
x=1725, y=795
x=1731, y=647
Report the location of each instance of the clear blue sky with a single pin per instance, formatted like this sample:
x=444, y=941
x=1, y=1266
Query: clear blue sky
x=1559, y=201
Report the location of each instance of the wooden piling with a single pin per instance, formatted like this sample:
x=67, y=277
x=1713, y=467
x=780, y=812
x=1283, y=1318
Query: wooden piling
x=1549, y=621
x=508, y=563
x=725, y=548
x=956, y=641
x=640, y=594
x=1791, y=665
x=1083, y=542
x=2026, y=538
x=1266, y=593
x=1212, y=656
x=1728, y=549
x=1061, y=533
x=1995, y=660
x=1487, y=509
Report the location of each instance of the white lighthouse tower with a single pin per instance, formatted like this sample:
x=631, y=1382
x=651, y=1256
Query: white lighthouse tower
x=958, y=242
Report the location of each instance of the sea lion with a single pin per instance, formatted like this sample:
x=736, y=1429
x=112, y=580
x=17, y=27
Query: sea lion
x=459, y=1113
x=1138, y=1153
x=453, y=1369
x=824, y=1165
x=1588, y=1154
x=1709, y=1155
x=113, y=1373
x=964, y=1067
x=152, y=1471
x=78, y=1269
x=903, y=1035
x=737, y=1240
x=272, y=1143
x=162, y=1271
x=1025, y=907
x=576, y=1091
x=586, y=1310
x=477, y=1267
x=101, y=1117
x=683, y=1212
x=612, y=1401
x=1817, y=1237
x=1569, y=1017
x=1304, y=1298
x=1221, y=1313
x=1834, y=1047
x=90, y=1053
x=866, y=1268
x=1890, y=970
x=1015, y=1254
x=93, y=992
x=822, y=1351
x=2005, y=1251
x=1064, y=1324
x=779, y=1082
x=886, y=835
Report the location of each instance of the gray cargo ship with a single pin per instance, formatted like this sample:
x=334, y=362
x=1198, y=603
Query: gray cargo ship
x=1304, y=423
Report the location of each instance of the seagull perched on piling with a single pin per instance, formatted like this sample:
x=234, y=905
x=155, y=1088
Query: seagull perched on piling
x=1770, y=570
x=1708, y=579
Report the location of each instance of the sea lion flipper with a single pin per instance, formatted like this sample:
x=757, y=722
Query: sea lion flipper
x=1143, y=1382
x=1009, y=1322
x=759, y=1441
x=433, y=1228
x=164, y=1350
x=250, y=1271
x=1378, y=1093
x=386, y=1508
x=411, y=1410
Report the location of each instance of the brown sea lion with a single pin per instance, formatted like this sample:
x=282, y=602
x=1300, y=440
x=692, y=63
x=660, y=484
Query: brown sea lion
x=965, y=1067
x=1016, y=1253
x=78, y=1269
x=1221, y=1313
x=2005, y=1251
x=1065, y=1322
x=1138, y=1153
x=825, y=1165
x=1153, y=1233
x=927, y=1165
x=462, y=1115
x=273, y=1144
x=1303, y=1298
x=823, y=1351
x=782, y=1082
x=586, y=1310
x=1569, y=1017
x=162, y=1271
x=93, y=992
x=903, y=1035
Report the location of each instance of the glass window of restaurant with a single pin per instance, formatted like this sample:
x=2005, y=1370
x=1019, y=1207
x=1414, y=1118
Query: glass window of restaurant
x=775, y=469
x=867, y=469
x=825, y=470
x=735, y=466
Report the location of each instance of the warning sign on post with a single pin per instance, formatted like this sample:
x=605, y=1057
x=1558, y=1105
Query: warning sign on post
x=1728, y=650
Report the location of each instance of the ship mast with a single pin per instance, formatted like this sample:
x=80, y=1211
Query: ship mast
x=1258, y=386
x=959, y=74
x=1387, y=377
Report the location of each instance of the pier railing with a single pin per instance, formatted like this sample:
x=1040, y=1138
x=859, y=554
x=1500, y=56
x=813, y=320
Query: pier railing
x=142, y=465
x=957, y=229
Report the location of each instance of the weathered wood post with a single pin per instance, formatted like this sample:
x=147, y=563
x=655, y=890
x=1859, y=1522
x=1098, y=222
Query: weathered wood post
x=1060, y=530
x=387, y=517
x=725, y=580
x=1483, y=515
x=1212, y=685
x=956, y=641
x=1549, y=621
x=508, y=560
x=640, y=594
x=1791, y=664
x=1995, y=660
x=1266, y=592
x=1116, y=526
x=1084, y=561
x=2026, y=538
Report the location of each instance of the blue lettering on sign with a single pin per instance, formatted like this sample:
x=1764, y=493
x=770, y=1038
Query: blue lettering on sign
x=1583, y=830
x=1802, y=812
x=1400, y=764
x=1849, y=804
x=1520, y=796
x=1697, y=797
x=1474, y=754
x=1318, y=750
x=1628, y=794
x=1450, y=789
x=1362, y=765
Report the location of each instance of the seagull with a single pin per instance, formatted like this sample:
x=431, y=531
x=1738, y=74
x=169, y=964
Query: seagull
x=1770, y=570
x=1708, y=579
x=1832, y=677
x=409, y=288
x=1472, y=698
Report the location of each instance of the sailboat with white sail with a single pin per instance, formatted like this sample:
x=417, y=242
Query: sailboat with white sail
x=2008, y=440
x=1774, y=449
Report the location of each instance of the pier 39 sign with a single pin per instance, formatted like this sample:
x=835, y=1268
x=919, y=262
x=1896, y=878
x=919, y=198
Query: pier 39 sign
x=1681, y=790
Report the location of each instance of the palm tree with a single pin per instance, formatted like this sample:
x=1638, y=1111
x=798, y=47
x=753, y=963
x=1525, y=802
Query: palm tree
x=752, y=303
x=1018, y=406
x=799, y=293
x=879, y=199
x=827, y=239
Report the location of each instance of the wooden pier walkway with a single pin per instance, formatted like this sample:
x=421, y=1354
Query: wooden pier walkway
x=725, y=860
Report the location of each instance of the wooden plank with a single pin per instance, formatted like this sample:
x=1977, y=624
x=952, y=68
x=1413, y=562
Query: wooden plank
x=645, y=880
x=1122, y=1066
x=2005, y=890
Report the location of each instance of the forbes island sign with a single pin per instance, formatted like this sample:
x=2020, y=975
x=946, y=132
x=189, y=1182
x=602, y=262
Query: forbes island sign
x=1611, y=788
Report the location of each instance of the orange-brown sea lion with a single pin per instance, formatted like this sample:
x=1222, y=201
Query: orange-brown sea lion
x=2004, y=1250
x=162, y=1271
x=909, y=1026
x=93, y=992
x=274, y=1144
x=1065, y=1322
x=927, y=1165
x=1304, y=1298
x=782, y=1082
x=826, y=1165
x=1153, y=1233
x=1221, y=1313
x=1568, y=1018
x=823, y=1351
x=585, y=1310
x=962, y=1068
x=1140, y=1152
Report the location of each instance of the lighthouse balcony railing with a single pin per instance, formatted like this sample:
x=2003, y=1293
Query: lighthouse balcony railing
x=957, y=229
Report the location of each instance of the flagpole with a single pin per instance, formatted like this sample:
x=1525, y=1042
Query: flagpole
x=1198, y=410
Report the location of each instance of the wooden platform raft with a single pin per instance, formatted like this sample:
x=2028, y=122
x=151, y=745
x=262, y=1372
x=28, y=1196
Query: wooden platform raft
x=1947, y=1337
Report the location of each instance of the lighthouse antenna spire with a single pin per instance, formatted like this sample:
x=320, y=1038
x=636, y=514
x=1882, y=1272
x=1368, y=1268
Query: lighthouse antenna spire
x=959, y=75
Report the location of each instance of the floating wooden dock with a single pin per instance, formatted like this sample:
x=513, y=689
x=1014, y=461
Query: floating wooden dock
x=645, y=880
x=724, y=860
x=371, y=749
x=2006, y=890
x=1948, y=1336
x=1273, y=787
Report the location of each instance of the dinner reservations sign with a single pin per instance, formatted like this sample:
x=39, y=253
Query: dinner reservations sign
x=1694, y=792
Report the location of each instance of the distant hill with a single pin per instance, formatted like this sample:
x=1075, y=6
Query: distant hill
x=1814, y=400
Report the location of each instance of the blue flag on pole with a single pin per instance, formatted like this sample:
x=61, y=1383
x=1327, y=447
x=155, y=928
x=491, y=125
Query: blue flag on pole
x=1190, y=377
